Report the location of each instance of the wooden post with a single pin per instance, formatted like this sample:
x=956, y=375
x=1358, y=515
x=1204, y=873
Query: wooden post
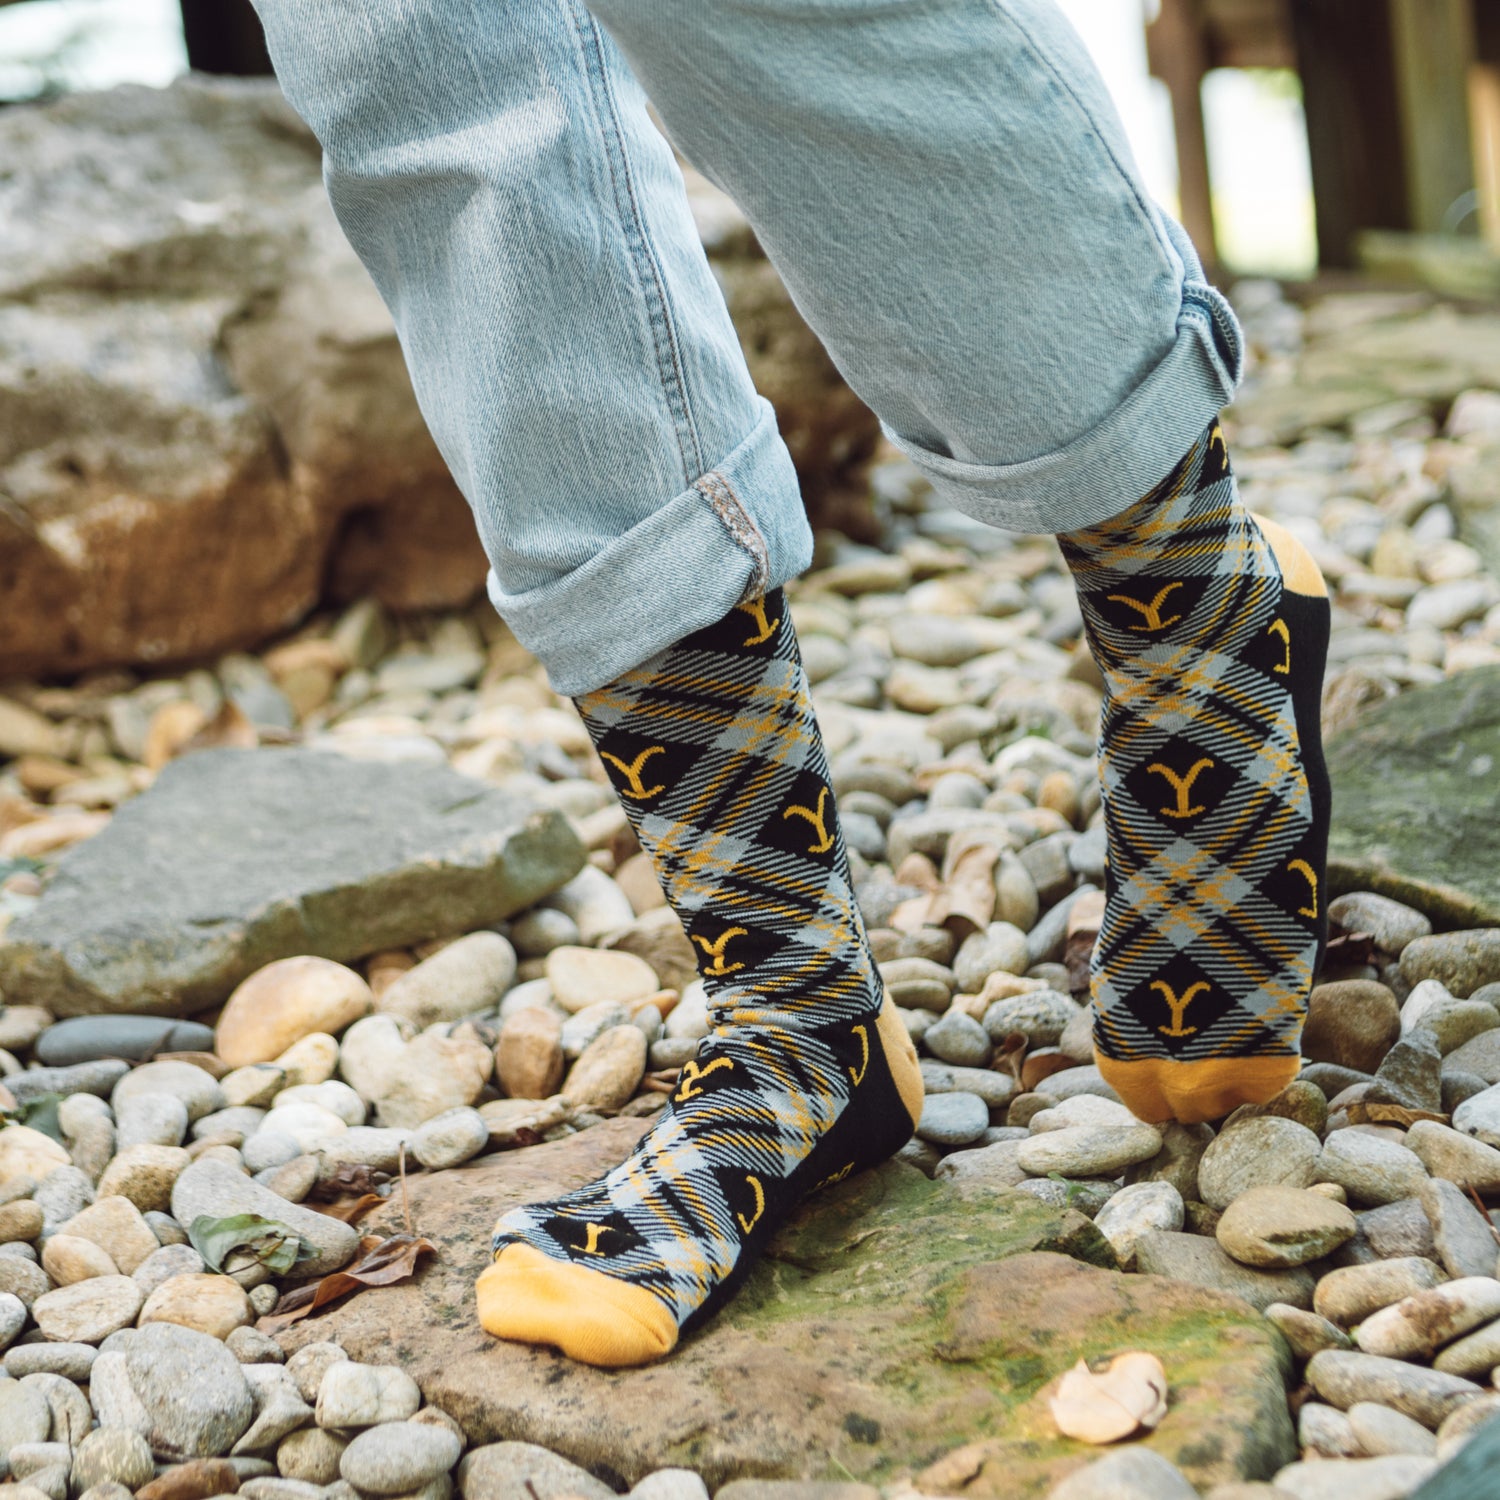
x=1353, y=138
x=1484, y=115
x=1433, y=50
x=1178, y=54
x=224, y=36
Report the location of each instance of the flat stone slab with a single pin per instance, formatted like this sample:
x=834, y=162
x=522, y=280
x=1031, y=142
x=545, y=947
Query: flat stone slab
x=1416, y=801
x=898, y=1328
x=238, y=857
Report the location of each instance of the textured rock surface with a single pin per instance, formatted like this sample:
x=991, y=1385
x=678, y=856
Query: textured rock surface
x=330, y=856
x=1415, y=779
x=199, y=377
x=888, y=1330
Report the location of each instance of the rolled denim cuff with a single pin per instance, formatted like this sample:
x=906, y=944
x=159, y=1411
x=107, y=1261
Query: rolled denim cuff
x=1111, y=466
x=737, y=532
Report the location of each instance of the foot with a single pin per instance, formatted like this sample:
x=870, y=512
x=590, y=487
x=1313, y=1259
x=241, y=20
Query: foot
x=1210, y=628
x=808, y=1075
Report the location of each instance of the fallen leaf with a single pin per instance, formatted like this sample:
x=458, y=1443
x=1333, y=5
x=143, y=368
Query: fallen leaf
x=350, y=1210
x=39, y=1113
x=1127, y=1395
x=1354, y=949
x=275, y=1246
x=229, y=729
x=390, y=1261
x=1010, y=1055
x=351, y=1180
x=1361, y=1112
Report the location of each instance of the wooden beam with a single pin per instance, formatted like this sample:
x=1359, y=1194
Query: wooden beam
x=1354, y=141
x=1433, y=50
x=1177, y=52
x=1484, y=116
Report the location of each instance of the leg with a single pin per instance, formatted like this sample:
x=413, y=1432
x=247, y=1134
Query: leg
x=946, y=190
x=495, y=168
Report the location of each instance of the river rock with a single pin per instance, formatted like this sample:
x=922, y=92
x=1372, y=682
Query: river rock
x=218, y=1190
x=310, y=1454
x=1381, y=1430
x=1196, y=1259
x=112, y=1455
x=191, y=1390
x=67, y=1260
x=212, y=1304
x=529, y=1055
x=164, y=1264
x=1456, y=1157
x=521, y=1471
x=23, y=1280
x=115, y=1225
x=21, y=1220
x=198, y=1091
x=449, y=1139
x=1372, y=1171
x=25, y=1152
x=1274, y=1227
x=955, y=1274
x=86, y=1038
x=285, y=1001
x=1463, y=1237
x=1390, y=923
x=1464, y=961
x=1088, y=1151
x=1129, y=1474
x=958, y=1039
x=1135, y=1211
x=197, y=1479
x=352, y=1394
x=587, y=976
x=88, y=1311
x=24, y=1416
x=398, y=1456
x=150, y=915
x=464, y=977
x=1479, y=1116
x=71, y=1361
x=1263, y=1151
x=1427, y=1396
x=1479, y=1056
x=144, y=1175
x=1388, y=1478
x=953, y=1119
x=609, y=1070
x=1410, y=1074
x=1352, y=1023
x=1417, y=1326
x=1305, y=1331
x=1350, y=1294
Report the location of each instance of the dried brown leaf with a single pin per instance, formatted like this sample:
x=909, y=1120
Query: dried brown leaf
x=1362, y=1112
x=1128, y=1394
x=389, y=1261
x=350, y=1210
x=352, y=1180
x=1010, y=1055
x=229, y=729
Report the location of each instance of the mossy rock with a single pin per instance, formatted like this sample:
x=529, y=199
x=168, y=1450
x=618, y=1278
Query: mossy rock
x=1416, y=801
x=899, y=1328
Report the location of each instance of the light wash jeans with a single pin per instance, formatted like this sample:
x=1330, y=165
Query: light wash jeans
x=942, y=184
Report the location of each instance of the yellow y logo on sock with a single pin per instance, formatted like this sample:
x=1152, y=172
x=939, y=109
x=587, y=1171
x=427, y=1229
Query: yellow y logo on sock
x=1151, y=611
x=1307, y=872
x=715, y=950
x=760, y=1204
x=1278, y=629
x=757, y=612
x=693, y=1075
x=592, y=1246
x=632, y=772
x=825, y=839
x=1178, y=1006
x=1183, y=786
x=858, y=1074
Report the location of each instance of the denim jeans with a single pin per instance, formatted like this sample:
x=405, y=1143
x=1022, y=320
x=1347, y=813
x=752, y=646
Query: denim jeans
x=942, y=184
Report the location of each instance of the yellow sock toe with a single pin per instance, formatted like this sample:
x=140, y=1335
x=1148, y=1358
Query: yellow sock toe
x=1156, y=1089
x=593, y=1318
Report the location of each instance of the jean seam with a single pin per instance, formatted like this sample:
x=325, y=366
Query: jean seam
x=1143, y=205
x=642, y=252
x=731, y=511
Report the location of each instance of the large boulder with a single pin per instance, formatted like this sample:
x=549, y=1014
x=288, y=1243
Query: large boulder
x=1416, y=800
x=898, y=1327
x=235, y=858
x=205, y=421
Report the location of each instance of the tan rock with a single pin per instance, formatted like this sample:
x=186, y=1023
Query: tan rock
x=436, y=1073
x=637, y=878
x=285, y=1002
x=609, y=1071
x=115, y=1224
x=657, y=938
x=21, y=1220
x=88, y=1311
x=466, y=976
x=67, y=1258
x=198, y=1479
x=314, y=1059
x=383, y=969
x=582, y=977
x=215, y=1305
x=144, y=1175
x=1280, y=1226
x=171, y=727
x=25, y=1152
x=529, y=1055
